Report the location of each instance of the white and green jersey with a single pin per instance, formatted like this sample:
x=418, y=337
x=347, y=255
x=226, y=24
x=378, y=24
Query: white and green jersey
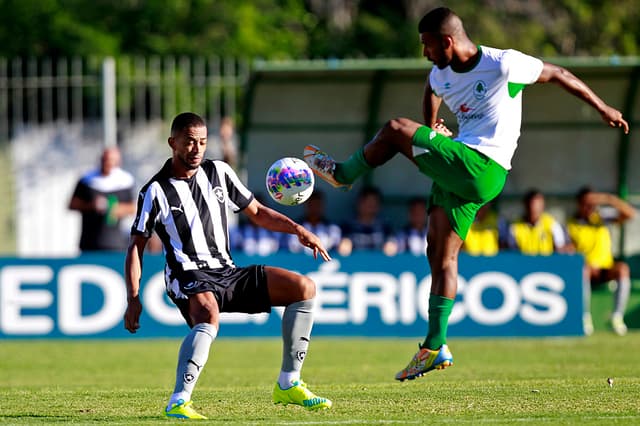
x=487, y=100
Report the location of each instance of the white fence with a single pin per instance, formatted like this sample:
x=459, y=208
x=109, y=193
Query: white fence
x=57, y=114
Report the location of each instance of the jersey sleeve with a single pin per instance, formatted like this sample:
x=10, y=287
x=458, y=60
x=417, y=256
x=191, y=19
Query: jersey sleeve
x=146, y=213
x=239, y=195
x=522, y=68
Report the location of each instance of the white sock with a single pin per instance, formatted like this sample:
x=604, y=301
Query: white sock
x=286, y=378
x=184, y=396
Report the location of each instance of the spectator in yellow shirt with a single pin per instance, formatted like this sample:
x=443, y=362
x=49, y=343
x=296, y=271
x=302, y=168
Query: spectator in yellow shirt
x=482, y=238
x=536, y=232
x=591, y=237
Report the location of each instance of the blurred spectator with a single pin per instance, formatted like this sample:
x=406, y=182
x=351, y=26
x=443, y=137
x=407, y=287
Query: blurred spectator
x=254, y=240
x=412, y=238
x=226, y=147
x=314, y=220
x=536, y=232
x=482, y=238
x=104, y=196
x=591, y=237
x=367, y=231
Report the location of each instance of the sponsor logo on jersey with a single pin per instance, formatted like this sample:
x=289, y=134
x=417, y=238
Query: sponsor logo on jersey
x=178, y=209
x=464, y=108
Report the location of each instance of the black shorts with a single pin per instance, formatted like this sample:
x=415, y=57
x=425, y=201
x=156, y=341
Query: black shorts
x=235, y=289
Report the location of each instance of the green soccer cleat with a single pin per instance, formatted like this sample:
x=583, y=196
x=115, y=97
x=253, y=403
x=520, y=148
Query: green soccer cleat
x=424, y=361
x=183, y=410
x=299, y=394
x=323, y=166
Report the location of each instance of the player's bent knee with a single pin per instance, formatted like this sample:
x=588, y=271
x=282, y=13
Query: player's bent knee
x=307, y=288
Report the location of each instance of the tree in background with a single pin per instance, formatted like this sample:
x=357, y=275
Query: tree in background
x=298, y=29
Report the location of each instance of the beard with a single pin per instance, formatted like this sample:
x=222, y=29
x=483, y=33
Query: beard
x=188, y=165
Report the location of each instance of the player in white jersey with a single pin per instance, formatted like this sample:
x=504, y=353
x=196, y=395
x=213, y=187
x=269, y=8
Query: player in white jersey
x=185, y=203
x=482, y=86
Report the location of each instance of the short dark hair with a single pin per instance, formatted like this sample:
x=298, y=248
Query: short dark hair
x=584, y=191
x=186, y=120
x=530, y=195
x=369, y=191
x=434, y=21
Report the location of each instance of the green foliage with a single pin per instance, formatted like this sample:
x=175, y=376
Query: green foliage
x=494, y=381
x=297, y=29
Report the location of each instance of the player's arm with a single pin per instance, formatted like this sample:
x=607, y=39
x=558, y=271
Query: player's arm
x=565, y=79
x=272, y=220
x=132, y=275
x=625, y=210
x=430, y=107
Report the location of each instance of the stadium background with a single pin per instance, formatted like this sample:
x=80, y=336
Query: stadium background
x=57, y=112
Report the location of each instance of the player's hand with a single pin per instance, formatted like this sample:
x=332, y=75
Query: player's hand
x=440, y=128
x=311, y=240
x=132, y=314
x=613, y=118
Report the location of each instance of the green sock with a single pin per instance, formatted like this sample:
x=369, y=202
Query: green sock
x=352, y=169
x=439, y=310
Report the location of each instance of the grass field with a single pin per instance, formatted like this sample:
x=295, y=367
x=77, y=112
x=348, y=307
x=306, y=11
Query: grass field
x=507, y=381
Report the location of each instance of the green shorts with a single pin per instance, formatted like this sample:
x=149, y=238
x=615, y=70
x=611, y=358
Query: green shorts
x=463, y=179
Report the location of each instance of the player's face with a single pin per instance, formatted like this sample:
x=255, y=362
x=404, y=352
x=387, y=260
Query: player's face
x=189, y=146
x=437, y=49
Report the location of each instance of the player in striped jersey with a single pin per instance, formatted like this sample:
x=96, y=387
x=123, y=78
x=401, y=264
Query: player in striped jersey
x=185, y=203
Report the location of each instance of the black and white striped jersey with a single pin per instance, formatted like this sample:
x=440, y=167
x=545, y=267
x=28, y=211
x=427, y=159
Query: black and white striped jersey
x=190, y=215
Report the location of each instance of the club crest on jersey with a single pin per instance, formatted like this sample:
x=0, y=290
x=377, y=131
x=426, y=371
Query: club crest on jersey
x=479, y=89
x=219, y=193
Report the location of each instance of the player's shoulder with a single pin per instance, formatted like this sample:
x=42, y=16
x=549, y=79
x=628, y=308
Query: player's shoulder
x=209, y=165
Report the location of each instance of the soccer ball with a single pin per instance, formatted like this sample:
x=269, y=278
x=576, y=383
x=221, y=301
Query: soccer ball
x=290, y=181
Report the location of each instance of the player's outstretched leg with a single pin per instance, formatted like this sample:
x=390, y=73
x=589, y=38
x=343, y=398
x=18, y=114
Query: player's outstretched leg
x=396, y=136
x=299, y=394
x=424, y=361
x=323, y=166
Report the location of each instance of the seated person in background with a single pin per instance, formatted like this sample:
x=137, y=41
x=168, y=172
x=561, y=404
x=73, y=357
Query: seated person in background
x=536, y=232
x=367, y=231
x=482, y=239
x=412, y=238
x=314, y=220
x=591, y=237
x=254, y=240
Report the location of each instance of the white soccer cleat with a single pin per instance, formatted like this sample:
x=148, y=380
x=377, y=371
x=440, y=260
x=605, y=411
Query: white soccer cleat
x=323, y=166
x=618, y=325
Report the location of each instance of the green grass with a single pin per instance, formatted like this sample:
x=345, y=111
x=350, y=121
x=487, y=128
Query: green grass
x=506, y=381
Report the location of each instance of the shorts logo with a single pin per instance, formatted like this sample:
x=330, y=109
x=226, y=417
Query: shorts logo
x=300, y=355
x=189, y=378
x=479, y=89
x=219, y=193
x=190, y=285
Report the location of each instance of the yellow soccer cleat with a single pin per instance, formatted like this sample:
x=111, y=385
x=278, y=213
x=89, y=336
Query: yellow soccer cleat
x=424, y=361
x=183, y=410
x=299, y=394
